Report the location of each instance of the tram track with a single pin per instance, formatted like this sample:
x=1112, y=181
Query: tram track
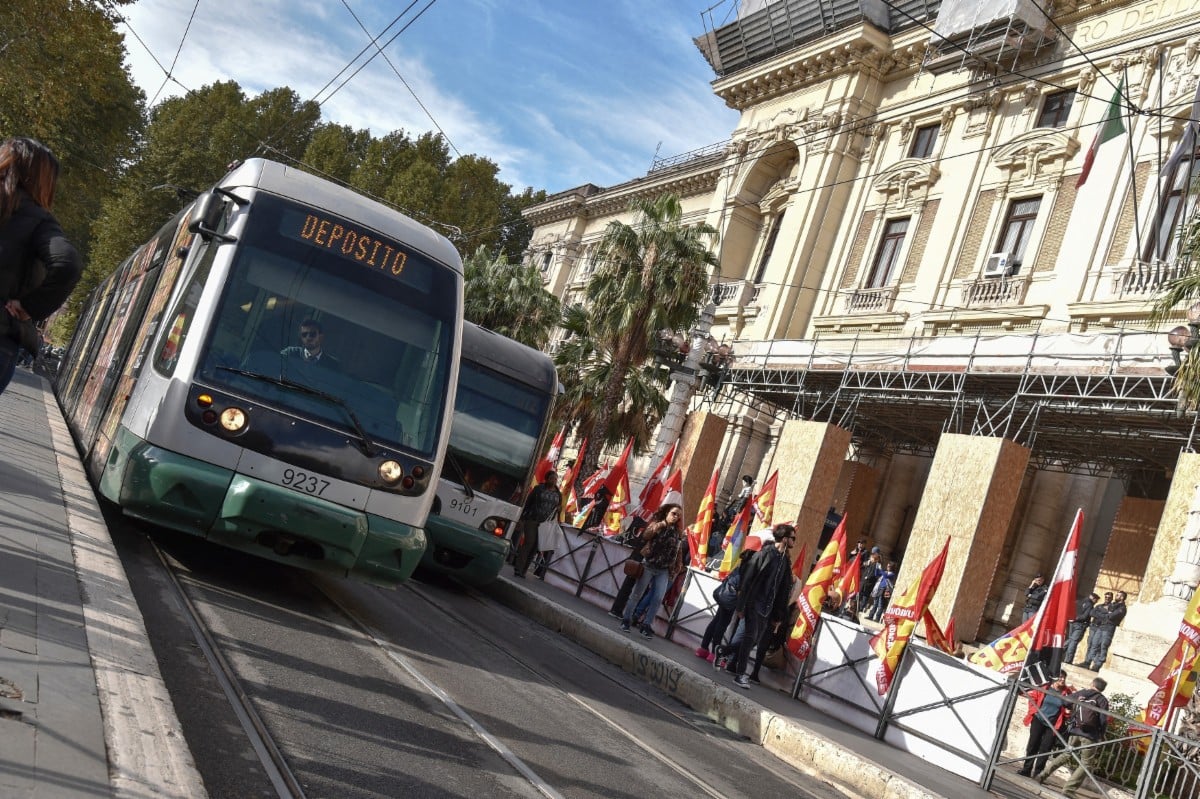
x=350, y=607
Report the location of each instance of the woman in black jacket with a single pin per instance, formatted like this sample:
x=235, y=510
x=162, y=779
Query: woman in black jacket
x=38, y=266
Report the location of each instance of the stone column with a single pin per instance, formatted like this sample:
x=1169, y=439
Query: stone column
x=735, y=456
x=1038, y=544
x=683, y=385
x=971, y=496
x=699, y=445
x=1152, y=623
x=809, y=458
x=899, y=495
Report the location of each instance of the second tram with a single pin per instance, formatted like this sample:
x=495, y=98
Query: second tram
x=275, y=371
x=506, y=392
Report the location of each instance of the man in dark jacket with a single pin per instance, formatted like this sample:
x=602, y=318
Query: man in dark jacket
x=763, y=599
x=1034, y=595
x=1105, y=618
x=1079, y=625
x=1085, y=727
x=541, y=506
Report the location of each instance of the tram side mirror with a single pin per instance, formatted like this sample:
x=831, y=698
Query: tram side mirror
x=206, y=216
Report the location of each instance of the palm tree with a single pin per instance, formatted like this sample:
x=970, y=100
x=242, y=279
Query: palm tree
x=509, y=299
x=652, y=276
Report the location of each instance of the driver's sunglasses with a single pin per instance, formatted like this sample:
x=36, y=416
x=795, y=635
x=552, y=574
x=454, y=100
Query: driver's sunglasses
x=309, y=334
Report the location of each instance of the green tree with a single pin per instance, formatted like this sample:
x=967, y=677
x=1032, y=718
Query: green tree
x=509, y=299
x=652, y=276
x=190, y=143
x=63, y=81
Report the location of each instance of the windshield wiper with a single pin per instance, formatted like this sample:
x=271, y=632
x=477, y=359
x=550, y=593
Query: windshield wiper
x=364, y=442
x=462, y=473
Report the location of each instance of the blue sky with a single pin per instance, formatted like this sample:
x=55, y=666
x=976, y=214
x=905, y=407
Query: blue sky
x=557, y=92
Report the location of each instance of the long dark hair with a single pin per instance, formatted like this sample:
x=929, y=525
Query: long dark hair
x=660, y=515
x=26, y=164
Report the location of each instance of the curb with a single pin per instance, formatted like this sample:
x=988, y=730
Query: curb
x=779, y=735
x=147, y=753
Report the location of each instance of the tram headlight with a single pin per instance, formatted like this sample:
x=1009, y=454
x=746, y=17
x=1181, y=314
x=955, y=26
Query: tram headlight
x=494, y=526
x=233, y=419
x=390, y=472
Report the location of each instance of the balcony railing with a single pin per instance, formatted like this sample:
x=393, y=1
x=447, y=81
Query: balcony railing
x=872, y=300
x=988, y=292
x=1144, y=278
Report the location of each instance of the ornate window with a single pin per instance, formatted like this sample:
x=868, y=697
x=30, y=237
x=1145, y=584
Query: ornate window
x=1018, y=226
x=888, y=254
x=547, y=257
x=924, y=138
x=768, y=248
x=1056, y=107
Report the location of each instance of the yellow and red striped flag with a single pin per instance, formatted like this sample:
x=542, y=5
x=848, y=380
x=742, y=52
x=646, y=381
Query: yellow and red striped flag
x=901, y=619
x=1176, y=674
x=1007, y=653
x=735, y=540
x=851, y=580
x=701, y=529
x=934, y=635
x=618, y=506
x=813, y=593
x=764, y=501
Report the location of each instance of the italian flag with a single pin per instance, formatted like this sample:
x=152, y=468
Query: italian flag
x=1110, y=128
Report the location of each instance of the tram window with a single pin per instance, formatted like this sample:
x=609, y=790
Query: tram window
x=179, y=319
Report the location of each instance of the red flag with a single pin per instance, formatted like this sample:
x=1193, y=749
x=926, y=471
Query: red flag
x=550, y=459
x=699, y=531
x=934, y=635
x=1049, y=632
x=901, y=619
x=650, y=499
x=571, y=502
x=798, y=563
x=813, y=593
x=764, y=501
x=673, y=491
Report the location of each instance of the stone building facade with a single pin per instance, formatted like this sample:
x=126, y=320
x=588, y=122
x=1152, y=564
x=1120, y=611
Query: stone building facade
x=937, y=332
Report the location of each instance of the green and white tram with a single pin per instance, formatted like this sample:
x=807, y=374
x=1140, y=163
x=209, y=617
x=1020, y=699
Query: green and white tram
x=275, y=371
x=506, y=392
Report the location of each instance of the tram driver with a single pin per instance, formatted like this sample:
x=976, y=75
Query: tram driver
x=311, y=349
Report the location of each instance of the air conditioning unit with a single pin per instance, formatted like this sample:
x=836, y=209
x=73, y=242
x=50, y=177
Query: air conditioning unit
x=997, y=265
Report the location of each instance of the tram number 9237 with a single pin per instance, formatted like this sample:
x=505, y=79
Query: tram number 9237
x=464, y=507
x=302, y=481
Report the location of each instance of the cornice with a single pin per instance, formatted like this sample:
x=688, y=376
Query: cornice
x=860, y=48
x=688, y=180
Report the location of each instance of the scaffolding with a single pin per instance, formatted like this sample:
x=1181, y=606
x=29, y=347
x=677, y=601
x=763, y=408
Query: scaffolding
x=1095, y=404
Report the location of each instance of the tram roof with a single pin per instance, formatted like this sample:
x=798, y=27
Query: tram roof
x=311, y=190
x=508, y=357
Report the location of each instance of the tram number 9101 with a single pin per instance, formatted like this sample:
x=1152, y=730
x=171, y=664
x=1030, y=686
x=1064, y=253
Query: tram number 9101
x=464, y=507
x=302, y=481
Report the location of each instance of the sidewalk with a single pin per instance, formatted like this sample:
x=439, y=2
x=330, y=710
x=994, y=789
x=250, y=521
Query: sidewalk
x=83, y=709
x=807, y=739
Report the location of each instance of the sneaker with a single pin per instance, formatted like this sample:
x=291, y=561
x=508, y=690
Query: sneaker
x=742, y=681
x=701, y=652
x=624, y=626
x=519, y=575
x=615, y=615
x=646, y=632
x=754, y=679
x=720, y=661
x=710, y=657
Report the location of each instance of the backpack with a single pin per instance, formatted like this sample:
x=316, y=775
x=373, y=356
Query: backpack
x=725, y=594
x=1087, y=718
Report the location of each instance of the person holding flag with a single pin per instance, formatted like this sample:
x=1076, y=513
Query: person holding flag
x=901, y=620
x=763, y=599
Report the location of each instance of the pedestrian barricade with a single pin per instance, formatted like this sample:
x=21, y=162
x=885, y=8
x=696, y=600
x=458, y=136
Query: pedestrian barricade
x=945, y=710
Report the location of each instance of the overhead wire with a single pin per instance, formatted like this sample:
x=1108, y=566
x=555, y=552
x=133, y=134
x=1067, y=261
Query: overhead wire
x=175, y=60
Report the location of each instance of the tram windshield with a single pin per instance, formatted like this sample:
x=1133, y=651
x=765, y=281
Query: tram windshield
x=329, y=320
x=493, y=440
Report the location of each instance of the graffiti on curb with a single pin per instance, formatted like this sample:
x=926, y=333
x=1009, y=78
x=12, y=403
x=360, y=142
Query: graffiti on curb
x=656, y=672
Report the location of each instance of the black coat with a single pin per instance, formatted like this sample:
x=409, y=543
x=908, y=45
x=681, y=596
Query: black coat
x=38, y=266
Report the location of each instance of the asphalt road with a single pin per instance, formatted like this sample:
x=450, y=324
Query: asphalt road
x=431, y=691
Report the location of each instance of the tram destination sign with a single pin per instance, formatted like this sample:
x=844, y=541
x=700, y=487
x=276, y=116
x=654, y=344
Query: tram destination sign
x=342, y=238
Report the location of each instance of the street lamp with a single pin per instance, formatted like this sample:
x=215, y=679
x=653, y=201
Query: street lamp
x=715, y=363
x=1183, y=338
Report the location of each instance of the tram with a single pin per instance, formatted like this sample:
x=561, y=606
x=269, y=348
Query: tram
x=275, y=371
x=506, y=392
